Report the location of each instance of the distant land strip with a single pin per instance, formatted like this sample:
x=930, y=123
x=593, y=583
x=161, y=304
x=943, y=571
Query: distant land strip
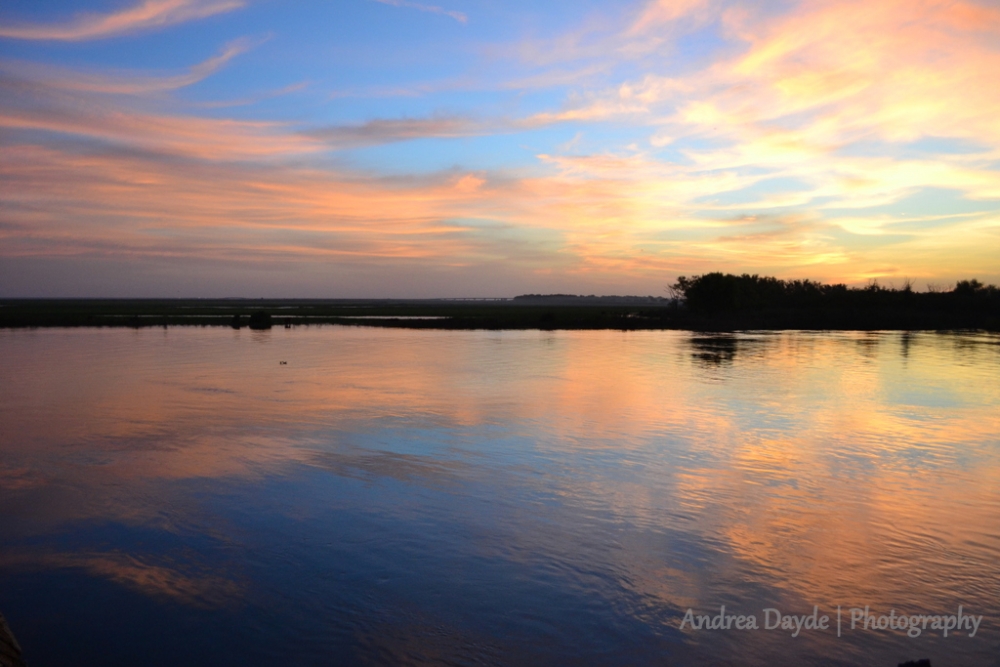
x=711, y=302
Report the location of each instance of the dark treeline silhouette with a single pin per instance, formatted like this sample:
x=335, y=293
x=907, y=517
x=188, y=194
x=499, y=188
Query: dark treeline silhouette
x=719, y=295
x=713, y=302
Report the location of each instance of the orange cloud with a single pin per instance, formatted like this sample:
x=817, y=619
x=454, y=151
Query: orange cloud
x=823, y=77
x=124, y=203
x=810, y=93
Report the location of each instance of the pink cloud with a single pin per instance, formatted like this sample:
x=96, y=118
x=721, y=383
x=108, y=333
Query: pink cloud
x=432, y=9
x=124, y=83
x=147, y=15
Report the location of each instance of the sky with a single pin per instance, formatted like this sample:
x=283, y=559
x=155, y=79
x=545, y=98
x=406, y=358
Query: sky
x=488, y=148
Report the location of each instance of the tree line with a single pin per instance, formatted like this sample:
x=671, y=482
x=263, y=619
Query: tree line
x=717, y=292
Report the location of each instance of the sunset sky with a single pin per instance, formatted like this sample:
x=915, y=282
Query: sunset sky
x=389, y=148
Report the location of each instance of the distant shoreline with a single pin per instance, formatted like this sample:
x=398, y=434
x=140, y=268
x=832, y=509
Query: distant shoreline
x=534, y=312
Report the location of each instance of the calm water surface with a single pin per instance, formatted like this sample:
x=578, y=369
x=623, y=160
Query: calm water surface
x=180, y=497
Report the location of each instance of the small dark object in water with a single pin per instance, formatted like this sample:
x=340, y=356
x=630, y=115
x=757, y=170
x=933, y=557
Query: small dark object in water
x=282, y=363
x=916, y=663
x=10, y=650
x=260, y=320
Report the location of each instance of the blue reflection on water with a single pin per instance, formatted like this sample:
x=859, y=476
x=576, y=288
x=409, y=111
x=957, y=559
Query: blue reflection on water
x=394, y=497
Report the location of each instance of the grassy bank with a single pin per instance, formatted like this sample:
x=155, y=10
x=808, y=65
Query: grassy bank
x=872, y=311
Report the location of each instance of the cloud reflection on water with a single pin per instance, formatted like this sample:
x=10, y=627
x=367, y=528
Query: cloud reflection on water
x=628, y=468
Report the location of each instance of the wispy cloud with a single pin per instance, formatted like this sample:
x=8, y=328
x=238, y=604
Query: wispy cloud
x=433, y=9
x=390, y=130
x=254, y=99
x=147, y=15
x=659, y=13
x=31, y=105
x=124, y=83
